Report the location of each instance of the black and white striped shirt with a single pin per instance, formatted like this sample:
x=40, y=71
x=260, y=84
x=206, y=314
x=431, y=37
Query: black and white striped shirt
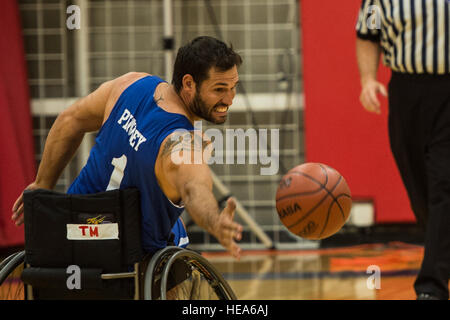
x=414, y=34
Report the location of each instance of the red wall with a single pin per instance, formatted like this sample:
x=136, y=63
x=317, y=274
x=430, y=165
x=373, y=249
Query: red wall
x=338, y=130
x=17, y=167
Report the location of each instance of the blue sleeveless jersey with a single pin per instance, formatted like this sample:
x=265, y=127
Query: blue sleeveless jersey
x=124, y=156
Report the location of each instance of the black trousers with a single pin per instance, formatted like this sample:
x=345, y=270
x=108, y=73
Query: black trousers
x=419, y=132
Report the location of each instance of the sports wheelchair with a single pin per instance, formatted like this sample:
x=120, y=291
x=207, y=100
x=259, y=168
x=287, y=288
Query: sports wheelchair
x=68, y=256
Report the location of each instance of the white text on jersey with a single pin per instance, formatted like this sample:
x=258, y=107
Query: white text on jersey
x=130, y=126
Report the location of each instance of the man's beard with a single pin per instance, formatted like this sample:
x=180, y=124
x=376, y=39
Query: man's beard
x=200, y=109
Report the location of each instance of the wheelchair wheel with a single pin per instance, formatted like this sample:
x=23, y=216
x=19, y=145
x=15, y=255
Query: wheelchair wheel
x=11, y=286
x=7, y=259
x=180, y=274
x=214, y=285
x=152, y=275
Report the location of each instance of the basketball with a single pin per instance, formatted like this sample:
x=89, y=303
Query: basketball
x=313, y=201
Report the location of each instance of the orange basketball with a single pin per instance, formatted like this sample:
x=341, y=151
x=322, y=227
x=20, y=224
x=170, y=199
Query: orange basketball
x=313, y=201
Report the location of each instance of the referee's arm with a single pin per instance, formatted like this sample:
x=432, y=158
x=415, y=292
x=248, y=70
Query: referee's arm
x=368, y=57
x=368, y=53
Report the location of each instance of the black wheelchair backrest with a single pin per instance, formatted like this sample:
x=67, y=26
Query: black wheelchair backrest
x=100, y=233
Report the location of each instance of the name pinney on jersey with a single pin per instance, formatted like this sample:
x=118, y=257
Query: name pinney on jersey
x=130, y=127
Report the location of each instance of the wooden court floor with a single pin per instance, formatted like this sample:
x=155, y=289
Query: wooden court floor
x=346, y=273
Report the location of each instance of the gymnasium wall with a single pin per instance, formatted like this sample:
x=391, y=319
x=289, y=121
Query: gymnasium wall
x=16, y=144
x=338, y=130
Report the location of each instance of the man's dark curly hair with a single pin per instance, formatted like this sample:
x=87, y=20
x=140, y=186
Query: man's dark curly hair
x=199, y=56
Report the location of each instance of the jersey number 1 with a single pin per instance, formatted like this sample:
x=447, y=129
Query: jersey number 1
x=117, y=174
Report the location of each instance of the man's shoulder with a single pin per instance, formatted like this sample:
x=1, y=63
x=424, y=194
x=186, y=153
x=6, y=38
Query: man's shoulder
x=129, y=78
x=118, y=85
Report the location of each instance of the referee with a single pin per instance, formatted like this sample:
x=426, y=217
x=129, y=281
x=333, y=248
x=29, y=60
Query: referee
x=413, y=37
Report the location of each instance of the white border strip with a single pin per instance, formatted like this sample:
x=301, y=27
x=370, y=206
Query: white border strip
x=254, y=102
x=50, y=106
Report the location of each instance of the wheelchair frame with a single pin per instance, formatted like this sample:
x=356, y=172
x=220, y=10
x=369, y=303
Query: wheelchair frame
x=45, y=274
x=158, y=268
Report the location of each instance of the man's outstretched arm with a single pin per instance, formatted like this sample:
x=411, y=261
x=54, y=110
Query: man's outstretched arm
x=63, y=140
x=193, y=183
x=85, y=115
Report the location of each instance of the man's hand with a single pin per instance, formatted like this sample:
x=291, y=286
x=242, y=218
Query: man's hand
x=368, y=97
x=17, y=209
x=227, y=231
x=368, y=55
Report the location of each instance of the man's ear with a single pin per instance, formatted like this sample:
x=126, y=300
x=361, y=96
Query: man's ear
x=189, y=84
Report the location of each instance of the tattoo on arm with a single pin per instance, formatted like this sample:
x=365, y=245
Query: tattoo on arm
x=169, y=146
x=184, y=142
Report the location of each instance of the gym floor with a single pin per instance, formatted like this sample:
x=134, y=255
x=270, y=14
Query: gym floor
x=384, y=271
x=364, y=272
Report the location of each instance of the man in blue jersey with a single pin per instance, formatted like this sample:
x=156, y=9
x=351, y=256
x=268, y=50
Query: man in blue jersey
x=137, y=116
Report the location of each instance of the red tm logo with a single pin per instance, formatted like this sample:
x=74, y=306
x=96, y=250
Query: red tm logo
x=93, y=231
